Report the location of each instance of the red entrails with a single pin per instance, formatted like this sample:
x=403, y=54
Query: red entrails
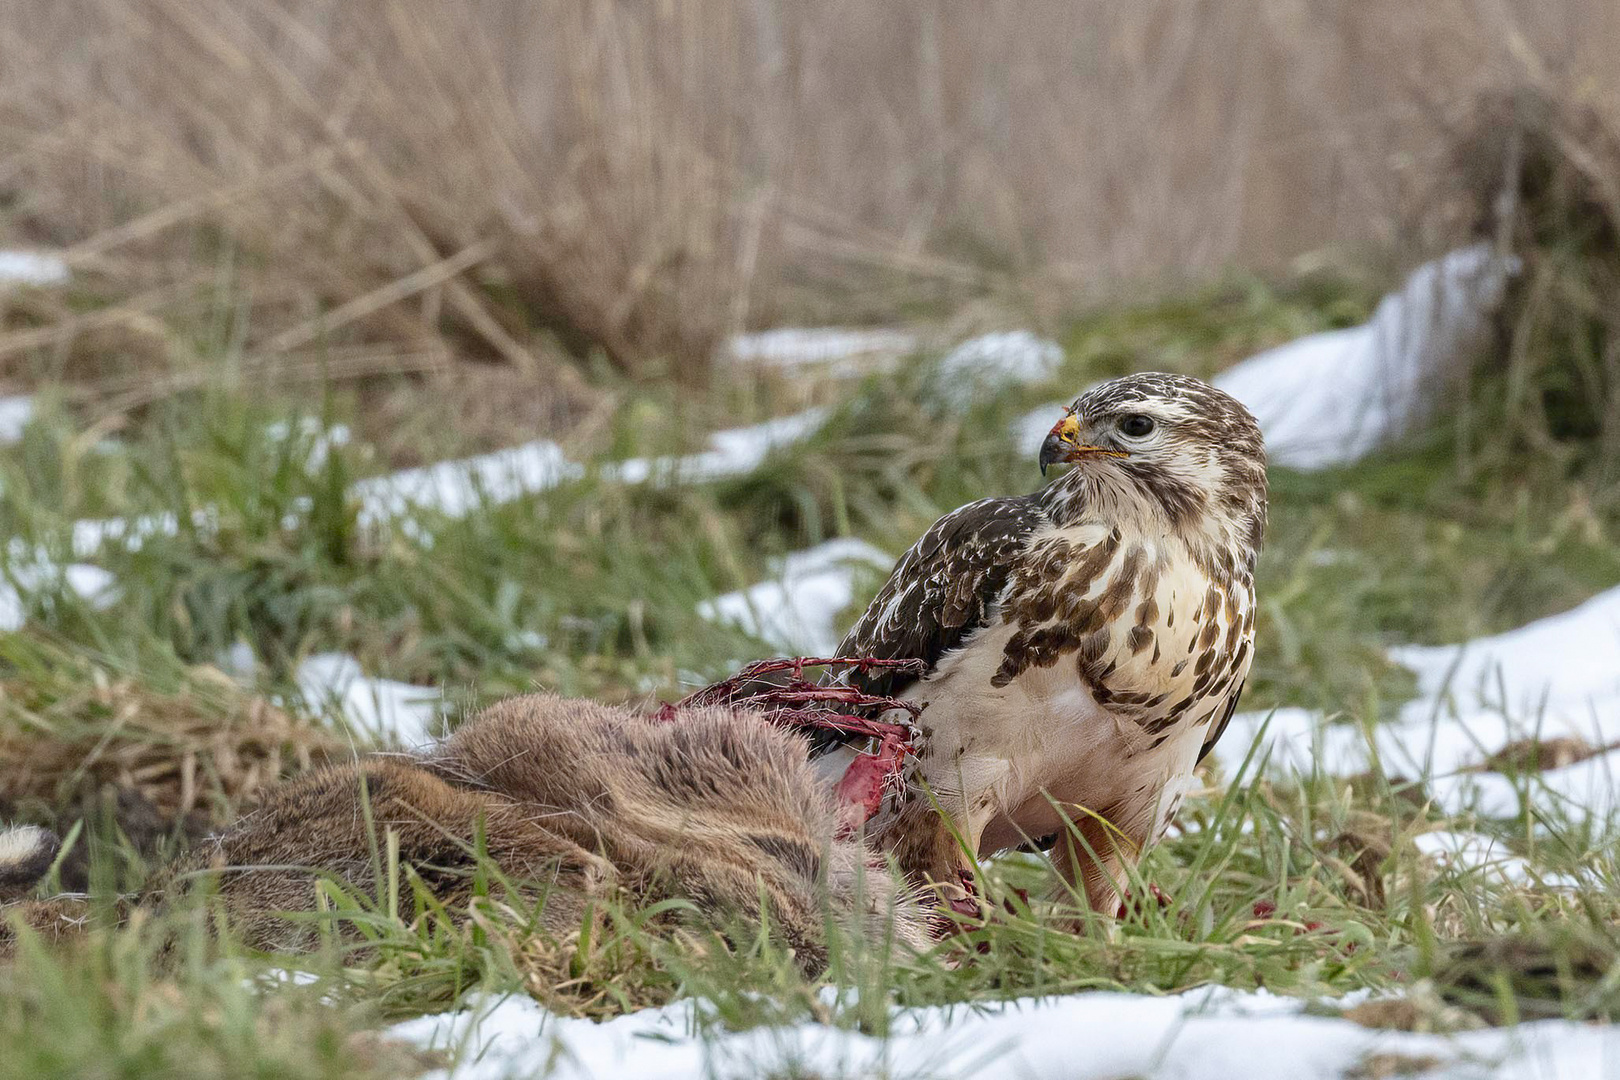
x=807, y=706
x=1127, y=901
x=863, y=784
x=1265, y=910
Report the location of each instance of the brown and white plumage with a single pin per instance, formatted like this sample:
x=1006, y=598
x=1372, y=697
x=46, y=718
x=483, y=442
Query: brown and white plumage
x=1085, y=645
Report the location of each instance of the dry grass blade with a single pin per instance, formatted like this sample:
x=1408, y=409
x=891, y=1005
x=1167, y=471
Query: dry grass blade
x=205, y=748
x=379, y=298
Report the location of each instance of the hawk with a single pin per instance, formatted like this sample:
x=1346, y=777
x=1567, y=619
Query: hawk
x=1083, y=647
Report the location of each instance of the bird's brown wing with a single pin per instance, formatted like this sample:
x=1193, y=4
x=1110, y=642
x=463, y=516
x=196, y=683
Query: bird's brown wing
x=942, y=589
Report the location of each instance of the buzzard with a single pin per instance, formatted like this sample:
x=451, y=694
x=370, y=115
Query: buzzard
x=1082, y=647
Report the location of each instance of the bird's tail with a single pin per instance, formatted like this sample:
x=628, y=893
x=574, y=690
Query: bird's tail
x=26, y=854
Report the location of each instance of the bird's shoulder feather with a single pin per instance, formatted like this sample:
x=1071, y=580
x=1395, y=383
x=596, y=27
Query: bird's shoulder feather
x=943, y=588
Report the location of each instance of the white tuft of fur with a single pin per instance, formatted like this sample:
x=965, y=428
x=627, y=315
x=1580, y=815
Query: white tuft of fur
x=22, y=844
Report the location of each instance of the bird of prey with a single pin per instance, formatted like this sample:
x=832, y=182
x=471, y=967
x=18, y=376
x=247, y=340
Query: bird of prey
x=1083, y=646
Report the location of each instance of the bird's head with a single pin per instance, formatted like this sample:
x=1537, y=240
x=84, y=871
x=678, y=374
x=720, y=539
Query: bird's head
x=1163, y=447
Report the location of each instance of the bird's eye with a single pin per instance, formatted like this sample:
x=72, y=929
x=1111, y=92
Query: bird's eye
x=1136, y=425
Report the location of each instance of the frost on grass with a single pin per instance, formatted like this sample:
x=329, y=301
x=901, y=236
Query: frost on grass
x=1202, y=1035
x=796, y=610
x=392, y=712
x=1332, y=398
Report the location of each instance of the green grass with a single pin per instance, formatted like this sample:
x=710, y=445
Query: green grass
x=107, y=1010
x=592, y=588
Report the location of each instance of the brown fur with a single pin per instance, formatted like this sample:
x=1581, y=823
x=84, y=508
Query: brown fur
x=582, y=800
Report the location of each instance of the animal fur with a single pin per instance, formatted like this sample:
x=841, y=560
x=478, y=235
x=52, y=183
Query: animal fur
x=583, y=800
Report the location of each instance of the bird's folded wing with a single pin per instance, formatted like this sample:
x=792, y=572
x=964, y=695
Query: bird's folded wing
x=942, y=590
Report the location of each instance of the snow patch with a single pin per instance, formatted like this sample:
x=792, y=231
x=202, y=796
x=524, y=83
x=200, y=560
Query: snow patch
x=733, y=452
x=1330, y=398
x=1031, y=429
x=844, y=352
x=796, y=610
x=322, y=439
x=1555, y=678
x=456, y=488
x=1471, y=852
x=460, y=486
x=391, y=711
x=32, y=268
x=90, y=534
x=1563, y=670
x=989, y=363
x=1588, y=789
x=29, y=574
x=16, y=413
x=1208, y=1035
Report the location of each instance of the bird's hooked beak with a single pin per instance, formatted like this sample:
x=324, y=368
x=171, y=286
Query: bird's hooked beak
x=1063, y=444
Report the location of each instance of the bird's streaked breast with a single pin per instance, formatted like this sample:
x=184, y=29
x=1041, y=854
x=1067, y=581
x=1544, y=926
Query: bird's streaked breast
x=1155, y=635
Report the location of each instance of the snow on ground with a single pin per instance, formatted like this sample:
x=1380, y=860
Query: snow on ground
x=796, y=609
x=322, y=439
x=456, y=488
x=32, y=268
x=1331, y=398
x=90, y=534
x=408, y=714
x=980, y=365
x=26, y=575
x=1202, y=1035
x=991, y=362
x=1557, y=678
x=837, y=351
x=1467, y=852
x=1564, y=668
x=733, y=452
x=1585, y=790
x=1031, y=429
x=394, y=712
x=16, y=413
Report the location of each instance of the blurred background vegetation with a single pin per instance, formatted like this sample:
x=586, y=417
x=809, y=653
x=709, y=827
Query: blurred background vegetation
x=514, y=201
